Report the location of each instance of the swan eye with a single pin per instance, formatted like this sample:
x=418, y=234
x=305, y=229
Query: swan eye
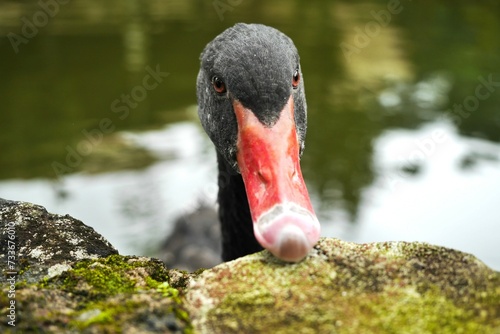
x=296, y=78
x=219, y=85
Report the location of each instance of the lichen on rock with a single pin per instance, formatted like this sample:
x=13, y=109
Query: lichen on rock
x=341, y=287
x=70, y=279
x=42, y=240
x=106, y=295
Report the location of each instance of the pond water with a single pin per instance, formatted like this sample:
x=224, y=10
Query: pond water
x=98, y=115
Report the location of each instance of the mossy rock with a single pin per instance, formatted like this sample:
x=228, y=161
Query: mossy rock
x=110, y=295
x=35, y=243
x=341, y=287
x=69, y=279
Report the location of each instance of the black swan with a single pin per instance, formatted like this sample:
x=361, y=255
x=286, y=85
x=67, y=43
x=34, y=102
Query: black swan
x=195, y=241
x=251, y=103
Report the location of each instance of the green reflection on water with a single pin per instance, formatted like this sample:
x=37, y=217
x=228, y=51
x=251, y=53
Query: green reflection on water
x=64, y=80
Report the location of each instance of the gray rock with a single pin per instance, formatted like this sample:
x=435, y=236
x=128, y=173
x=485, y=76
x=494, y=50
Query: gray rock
x=343, y=287
x=37, y=244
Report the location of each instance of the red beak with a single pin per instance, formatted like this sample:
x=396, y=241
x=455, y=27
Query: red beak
x=268, y=158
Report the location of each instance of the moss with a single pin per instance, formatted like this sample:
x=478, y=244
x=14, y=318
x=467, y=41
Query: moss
x=105, y=295
x=152, y=283
x=104, y=280
x=394, y=310
x=21, y=284
x=170, y=292
x=24, y=266
x=348, y=288
x=119, y=275
x=180, y=279
x=110, y=276
x=167, y=291
x=397, y=310
x=101, y=317
x=103, y=313
x=340, y=288
x=199, y=271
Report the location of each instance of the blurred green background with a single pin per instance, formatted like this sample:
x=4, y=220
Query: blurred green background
x=377, y=74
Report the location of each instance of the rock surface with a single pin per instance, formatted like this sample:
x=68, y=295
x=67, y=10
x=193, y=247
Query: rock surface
x=341, y=287
x=116, y=294
x=43, y=242
x=66, y=278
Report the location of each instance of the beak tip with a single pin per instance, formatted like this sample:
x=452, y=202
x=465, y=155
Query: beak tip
x=292, y=245
x=290, y=238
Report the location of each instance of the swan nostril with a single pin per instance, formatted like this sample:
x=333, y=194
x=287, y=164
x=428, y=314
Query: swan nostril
x=294, y=174
x=264, y=175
